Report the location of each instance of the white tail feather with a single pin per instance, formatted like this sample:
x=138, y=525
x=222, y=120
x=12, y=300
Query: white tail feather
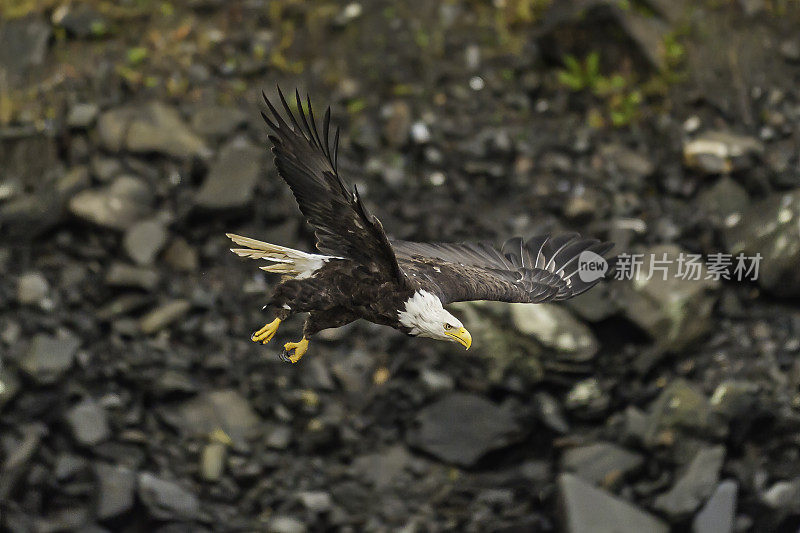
x=289, y=261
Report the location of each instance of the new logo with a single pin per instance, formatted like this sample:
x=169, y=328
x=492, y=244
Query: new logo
x=591, y=266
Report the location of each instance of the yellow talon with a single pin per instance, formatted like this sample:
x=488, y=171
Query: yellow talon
x=265, y=334
x=299, y=348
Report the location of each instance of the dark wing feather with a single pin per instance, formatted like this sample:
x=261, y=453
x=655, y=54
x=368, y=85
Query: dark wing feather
x=307, y=162
x=542, y=269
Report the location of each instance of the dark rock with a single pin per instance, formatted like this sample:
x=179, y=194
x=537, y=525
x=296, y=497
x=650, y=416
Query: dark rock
x=223, y=409
x=89, y=422
x=550, y=412
x=115, y=491
x=317, y=375
x=365, y=133
x=49, y=357
x=167, y=500
x=461, y=428
x=144, y=240
x=8, y=190
x=11, y=332
x=32, y=288
x=152, y=127
x=644, y=31
x=420, y=133
x=594, y=305
x=68, y=465
x=673, y=310
x=81, y=20
x=354, y=371
x=181, y=255
x=587, y=397
x=23, y=44
x=105, y=168
x=82, y=116
x=316, y=501
x=734, y=398
x=62, y=519
x=233, y=176
x=723, y=201
x=9, y=384
x=30, y=215
x=117, y=206
x=436, y=382
x=75, y=179
x=556, y=328
x=781, y=158
x=783, y=495
x=602, y=463
x=696, y=484
x=719, y=152
x=397, y=123
x=285, y=524
x=635, y=425
x=381, y=469
x=719, y=513
x=212, y=460
x=217, y=121
x=587, y=508
x=122, y=305
x=164, y=315
x=31, y=161
x=279, y=437
x=619, y=158
x=790, y=49
x=351, y=12
x=769, y=228
x=18, y=454
x=680, y=406
x=123, y=275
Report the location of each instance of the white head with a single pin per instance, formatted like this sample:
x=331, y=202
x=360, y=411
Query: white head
x=426, y=317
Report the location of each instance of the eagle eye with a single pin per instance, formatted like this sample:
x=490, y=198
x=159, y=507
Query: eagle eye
x=448, y=326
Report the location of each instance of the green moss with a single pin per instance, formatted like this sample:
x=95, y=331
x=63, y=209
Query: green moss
x=12, y=9
x=422, y=39
x=136, y=55
x=166, y=9
x=356, y=105
x=98, y=28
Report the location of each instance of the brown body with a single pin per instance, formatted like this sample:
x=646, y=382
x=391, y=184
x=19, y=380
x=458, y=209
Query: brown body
x=337, y=294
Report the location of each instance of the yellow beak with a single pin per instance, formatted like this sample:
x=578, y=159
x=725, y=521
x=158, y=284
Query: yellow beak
x=462, y=336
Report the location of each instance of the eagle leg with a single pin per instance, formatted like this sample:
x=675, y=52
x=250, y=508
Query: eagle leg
x=299, y=348
x=265, y=334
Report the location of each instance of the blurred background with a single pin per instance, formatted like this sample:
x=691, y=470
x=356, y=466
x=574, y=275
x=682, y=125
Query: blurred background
x=131, y=398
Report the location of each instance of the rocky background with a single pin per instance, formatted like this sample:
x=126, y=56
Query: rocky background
x=131, y=398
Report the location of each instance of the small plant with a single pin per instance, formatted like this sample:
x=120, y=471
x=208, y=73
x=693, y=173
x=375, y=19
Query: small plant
x=617, y=92
x=580, y=75
x=624, y=107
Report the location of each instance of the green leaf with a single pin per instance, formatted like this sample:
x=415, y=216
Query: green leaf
x=617, y=81
x=619, y=118
x=572, y=63
x=593, y=65
x=573, y=81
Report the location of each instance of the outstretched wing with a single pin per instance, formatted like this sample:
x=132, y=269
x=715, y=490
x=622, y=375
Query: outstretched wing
x=539, y=270
x=307, y=162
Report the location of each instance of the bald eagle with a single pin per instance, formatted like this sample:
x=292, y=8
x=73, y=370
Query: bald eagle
x=361, y=273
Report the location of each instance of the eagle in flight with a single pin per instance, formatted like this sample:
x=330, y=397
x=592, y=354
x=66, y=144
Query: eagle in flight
x=361, y=273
